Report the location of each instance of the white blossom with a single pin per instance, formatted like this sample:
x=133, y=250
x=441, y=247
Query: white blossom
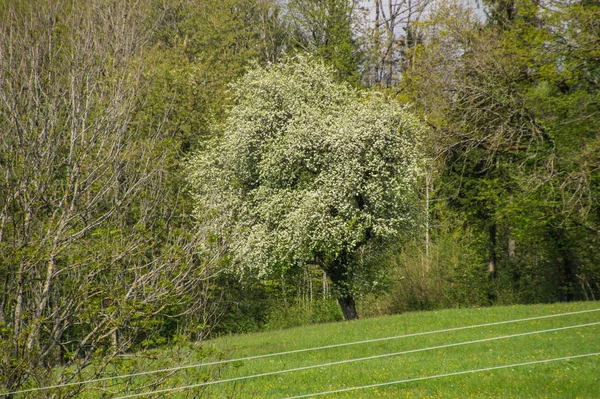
x=306, y=168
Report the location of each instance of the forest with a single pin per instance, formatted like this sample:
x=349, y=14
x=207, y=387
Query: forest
x=180, y=170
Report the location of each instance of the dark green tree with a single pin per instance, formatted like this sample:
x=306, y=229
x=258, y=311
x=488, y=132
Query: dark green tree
x=515, y=117
x=325, y=28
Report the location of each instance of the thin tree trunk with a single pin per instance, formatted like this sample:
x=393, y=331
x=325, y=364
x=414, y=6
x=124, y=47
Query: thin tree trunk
x=310, y=286
x=427, y=182
x=377, y=43
x=18, y=311
x=492, y=249
x=566, y=264
x=511, y=245
x=33, y=339
x=325, y=286
x=511, y=248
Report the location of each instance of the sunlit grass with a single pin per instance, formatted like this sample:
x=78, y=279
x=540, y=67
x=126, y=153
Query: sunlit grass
x=576, y=378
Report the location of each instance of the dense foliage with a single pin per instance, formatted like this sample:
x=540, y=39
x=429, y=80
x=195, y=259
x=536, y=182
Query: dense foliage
x=512, y=104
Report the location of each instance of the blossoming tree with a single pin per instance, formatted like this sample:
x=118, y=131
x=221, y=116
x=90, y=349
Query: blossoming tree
x=307, y=171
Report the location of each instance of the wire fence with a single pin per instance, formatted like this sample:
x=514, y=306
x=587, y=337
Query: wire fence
x=430, y=377
x=354, y=360
x=319, y=348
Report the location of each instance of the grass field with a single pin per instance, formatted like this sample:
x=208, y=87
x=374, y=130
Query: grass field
x=574, y=378
x=429, y=352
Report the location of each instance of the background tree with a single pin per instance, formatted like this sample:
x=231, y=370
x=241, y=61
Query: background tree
x=95, y=256
x=490, y=90
x=196, y=49
x=308, y=171
x=562, y=89
x=327, y=29
x=392, y=31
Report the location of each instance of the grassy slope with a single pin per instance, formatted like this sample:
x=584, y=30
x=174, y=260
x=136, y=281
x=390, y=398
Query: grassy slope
x=564, y=379
x=577, y=378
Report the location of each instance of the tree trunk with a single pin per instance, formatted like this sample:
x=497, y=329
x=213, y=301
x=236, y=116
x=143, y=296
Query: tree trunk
x=338, y=273
x=512, y=244
x=567, y=272
x=511, y=248
x=492, y=248
x=427, y=182
x=325, y=285
x=348, y=307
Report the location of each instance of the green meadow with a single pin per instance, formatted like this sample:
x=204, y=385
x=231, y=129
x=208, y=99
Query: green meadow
x=578, y=377
x=422, y=349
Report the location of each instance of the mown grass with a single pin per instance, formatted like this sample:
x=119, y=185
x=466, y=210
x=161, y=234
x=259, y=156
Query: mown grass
x=576, y=378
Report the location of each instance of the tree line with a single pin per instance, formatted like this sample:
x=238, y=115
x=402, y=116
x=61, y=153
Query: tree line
x=163, y=165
